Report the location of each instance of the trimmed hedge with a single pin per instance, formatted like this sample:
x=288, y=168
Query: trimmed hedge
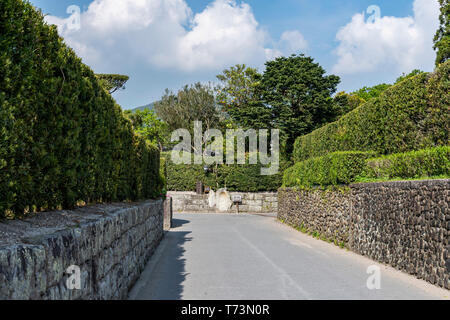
x=62, y=137
x=333, y=169
x=411, y=115
x=349, y=167
x=410, y=165
x=243, y=178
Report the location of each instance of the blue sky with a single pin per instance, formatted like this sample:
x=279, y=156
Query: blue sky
x=168, y=43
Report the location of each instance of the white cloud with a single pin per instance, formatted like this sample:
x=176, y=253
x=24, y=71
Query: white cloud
x=390, y=43
x=166, y=34
x=223, y=33
x=293, y=41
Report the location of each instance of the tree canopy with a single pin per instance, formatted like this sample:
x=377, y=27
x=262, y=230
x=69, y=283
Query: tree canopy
x=367, y=93
x=192, y=103
x=148, y=125
x=404, y=76
x=240, y=97
x=346, y=102
x=442, y=37
x=113, y=82
x=299, y=95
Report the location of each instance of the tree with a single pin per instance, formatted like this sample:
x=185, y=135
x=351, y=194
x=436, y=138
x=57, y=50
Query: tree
x=146, y=123
x=240, y=97
x=442, y=37
x=299, y=94
x=346, y=102
x=192, y=103
x=367, y=93
x=113, y=82
x=404, y=76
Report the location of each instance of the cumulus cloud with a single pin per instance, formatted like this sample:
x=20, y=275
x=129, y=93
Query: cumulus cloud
x=293, y=41
x=393, y=43
x=166, y=34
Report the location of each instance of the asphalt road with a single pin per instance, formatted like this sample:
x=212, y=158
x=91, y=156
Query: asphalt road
x=253, y=257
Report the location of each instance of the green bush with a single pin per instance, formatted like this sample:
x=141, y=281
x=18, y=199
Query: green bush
x=349, y=167
x=333, y=169
x=244, y=178
x=62, y=137
x=410, y=165
x=412, y=115
x=184, y=177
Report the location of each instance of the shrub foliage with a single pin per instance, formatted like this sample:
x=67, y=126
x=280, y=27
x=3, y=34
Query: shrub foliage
x=415, y=164
x=62, y=137
x=412, y=115
x=332, y=169
x=348, y=167
x=244, y=178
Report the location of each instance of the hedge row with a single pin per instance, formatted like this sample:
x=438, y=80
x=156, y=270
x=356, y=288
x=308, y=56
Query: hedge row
x=333, y=169
x=416, y=164
x=348, y=167
x=243, y=178
x=62, y=137
x=411, y=115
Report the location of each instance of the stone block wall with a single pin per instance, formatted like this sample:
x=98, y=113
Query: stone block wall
x=323, y=211
x=259, y=202
x=168, y=214
x=109, y=243
x=405, y=224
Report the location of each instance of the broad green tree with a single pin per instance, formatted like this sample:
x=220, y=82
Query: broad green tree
x=192, y=103
x=147, y=124
x=367, y=93
x=404, y=76
x=113, y=82
x=240, y=96
x=346, y=102
x=442, y=37
x=300, y=95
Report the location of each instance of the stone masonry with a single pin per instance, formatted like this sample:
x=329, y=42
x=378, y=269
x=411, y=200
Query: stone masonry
x=405, y=224
x=109, y=243
x=323, y=211
x=260, y=202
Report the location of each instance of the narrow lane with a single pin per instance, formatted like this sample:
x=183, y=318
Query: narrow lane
x=234, y=257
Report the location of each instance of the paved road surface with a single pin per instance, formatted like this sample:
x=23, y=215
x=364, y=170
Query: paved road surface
x=234, y=257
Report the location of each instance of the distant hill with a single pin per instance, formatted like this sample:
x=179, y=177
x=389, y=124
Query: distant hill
x=148, y=106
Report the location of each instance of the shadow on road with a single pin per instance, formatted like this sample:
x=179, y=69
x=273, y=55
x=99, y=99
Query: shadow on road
x=176, y=223
x=165, y=274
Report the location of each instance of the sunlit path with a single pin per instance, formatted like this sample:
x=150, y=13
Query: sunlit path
x=210, y=256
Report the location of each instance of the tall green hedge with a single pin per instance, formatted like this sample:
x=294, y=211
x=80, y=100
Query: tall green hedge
x=349, y=166
x=411, y=115
x=243, y=178
x=62, y=137
x=333, y=169
x=415, y=164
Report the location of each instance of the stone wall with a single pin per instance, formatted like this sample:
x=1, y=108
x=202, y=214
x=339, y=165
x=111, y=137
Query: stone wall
x=261, y=202
x=168, y=214
x=322, y=211
x=405, y=224
x=109, y=243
